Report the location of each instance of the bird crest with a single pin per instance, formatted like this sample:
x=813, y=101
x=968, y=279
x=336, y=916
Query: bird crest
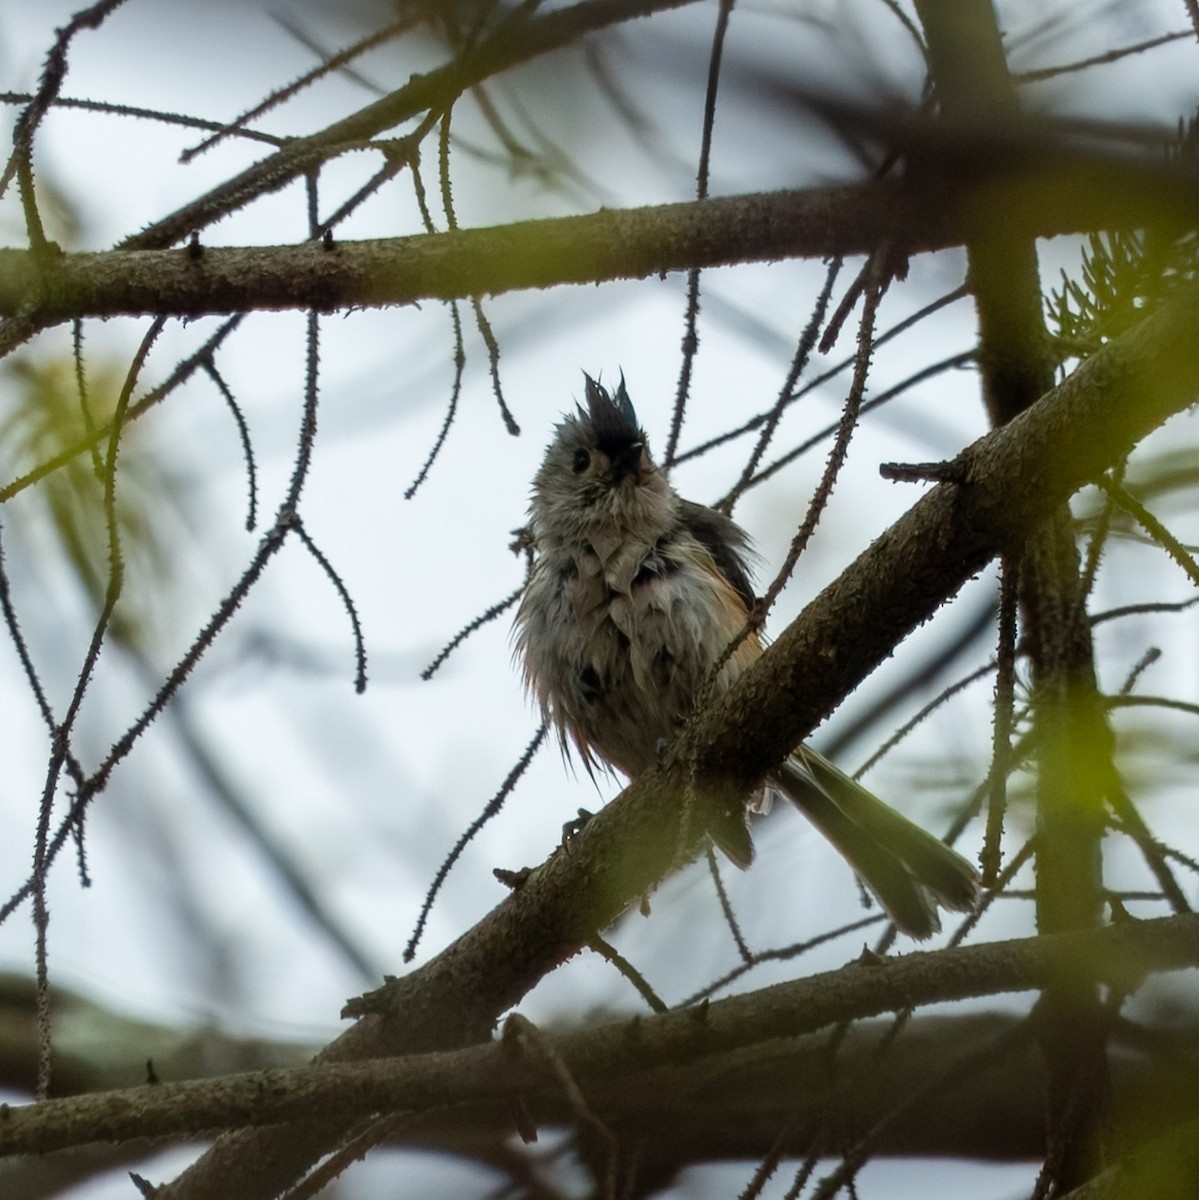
x=612, y=418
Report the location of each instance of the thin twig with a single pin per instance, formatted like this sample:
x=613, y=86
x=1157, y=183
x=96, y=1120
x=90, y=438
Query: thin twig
x=799, y=361
x=611, y=955
x=1097, y=60
x=347, y=602
x=490, y=809
x=333, y=63
x=243, y=433
x=691, y=316
x=60, y=743
x=875, y=287
x=726, y=908
x=1152, y=526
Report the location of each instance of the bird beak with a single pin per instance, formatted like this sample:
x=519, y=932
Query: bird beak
x=627, y=461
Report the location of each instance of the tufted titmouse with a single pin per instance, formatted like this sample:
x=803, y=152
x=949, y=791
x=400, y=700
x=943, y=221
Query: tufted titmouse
x=634, y=597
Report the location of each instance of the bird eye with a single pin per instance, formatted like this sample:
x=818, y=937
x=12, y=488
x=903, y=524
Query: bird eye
x=582, y=461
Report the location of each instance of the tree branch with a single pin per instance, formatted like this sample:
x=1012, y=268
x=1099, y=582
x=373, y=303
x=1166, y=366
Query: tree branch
x=1054, y=195
x=1014, y=476
x=604, y=1059
x=513, y=41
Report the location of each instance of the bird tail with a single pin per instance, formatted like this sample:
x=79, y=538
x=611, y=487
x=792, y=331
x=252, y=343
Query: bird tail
x=908, y=869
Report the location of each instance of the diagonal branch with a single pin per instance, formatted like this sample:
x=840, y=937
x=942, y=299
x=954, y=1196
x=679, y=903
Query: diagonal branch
x=1010, y=479
x=516, y=40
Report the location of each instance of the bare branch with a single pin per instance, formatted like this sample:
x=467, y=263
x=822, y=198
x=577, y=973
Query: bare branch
x=1014, y=476
x=1070, y=194
x=1120, y=955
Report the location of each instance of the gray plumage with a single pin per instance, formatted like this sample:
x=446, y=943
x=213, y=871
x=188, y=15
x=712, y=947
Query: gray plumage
x=635, y=595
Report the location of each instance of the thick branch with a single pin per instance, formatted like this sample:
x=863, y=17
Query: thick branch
x=1011, y=479
x=1053, y=196
x=606, y=1058
x=611, y=244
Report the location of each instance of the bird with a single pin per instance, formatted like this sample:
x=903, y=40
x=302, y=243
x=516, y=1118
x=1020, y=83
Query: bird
x=633, y=601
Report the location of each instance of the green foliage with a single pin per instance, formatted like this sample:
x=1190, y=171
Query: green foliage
x=42, y=419
x=1126, y=275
